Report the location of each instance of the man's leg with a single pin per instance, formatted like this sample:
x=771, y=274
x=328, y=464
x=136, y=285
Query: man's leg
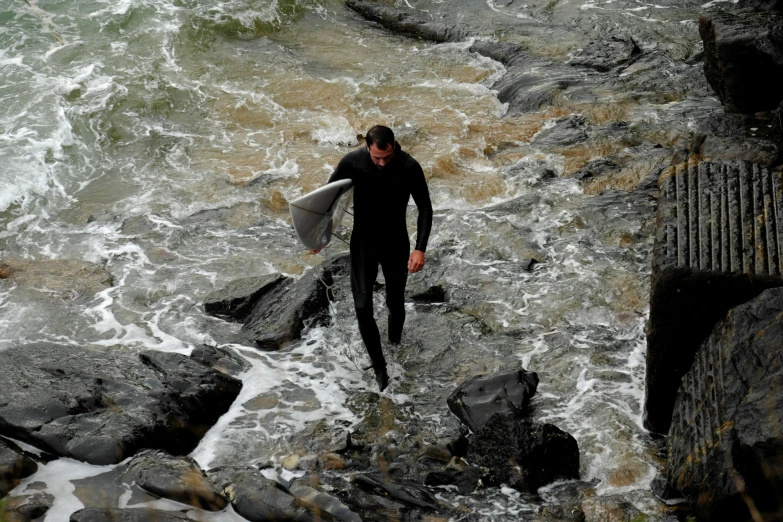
x=395, y=272
x=364, y=270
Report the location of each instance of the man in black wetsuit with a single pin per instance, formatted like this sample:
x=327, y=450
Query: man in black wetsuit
x=384, y=178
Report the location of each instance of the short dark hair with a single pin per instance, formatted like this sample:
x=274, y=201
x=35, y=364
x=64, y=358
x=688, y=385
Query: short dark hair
x=380, y=136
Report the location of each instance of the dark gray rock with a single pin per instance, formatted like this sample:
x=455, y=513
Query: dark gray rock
x=569, y=130
x=743, y=58
x=731, y=137
x=237, y=300
x=14, y=466
x=476, y=400
x=561, y=514
x=466, y=480
x=405, y=492
x=220, y=359
x=175, y=478
x=606, y=55
x=718, y=244
x=523, y=454
x=761, y=5
x=26, y=508
x=725, y=442
x=322, y=505
x=414, y=24
x=280, y=315
x=101, y=406
x=258, y=498
x=595, y=169
x=433, y=294
x=126, y=515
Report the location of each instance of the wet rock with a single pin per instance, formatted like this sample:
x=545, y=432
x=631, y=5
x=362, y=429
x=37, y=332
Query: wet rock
x=221, y=359
x=611, y=507
x=661, y=488
x=716, y=246
x=433, y=294
x=523, y=454
x=761, y=5
x=607, y=54
x=308, y=463
x=26, y=508
x=290, y=462
x=466, y=480
x=322, y=505
x=237, y=300
x=725, y=442
x=331, y=461
x=14, y=466
x=743, y=58
x=405, y=492
x=595, y=169
x=476, y=400
x=280, y=315
x=730, y=137
x=258, y=498
x=414, y=24
x=175, y=478
x=126, y=515
x=63, y=278
x=101, y=406
x=561, y=514
x=566, y=131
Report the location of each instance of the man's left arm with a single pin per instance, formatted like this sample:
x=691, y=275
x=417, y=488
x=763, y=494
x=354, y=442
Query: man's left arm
x=421, y=196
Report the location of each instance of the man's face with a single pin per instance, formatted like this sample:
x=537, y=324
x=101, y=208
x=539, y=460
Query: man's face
x=381, y=157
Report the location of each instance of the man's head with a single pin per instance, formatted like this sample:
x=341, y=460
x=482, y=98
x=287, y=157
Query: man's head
x=380, y=144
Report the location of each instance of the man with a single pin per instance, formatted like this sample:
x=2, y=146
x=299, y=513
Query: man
x=384, y=178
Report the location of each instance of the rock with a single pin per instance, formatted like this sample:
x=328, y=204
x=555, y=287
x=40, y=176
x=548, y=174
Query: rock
x=476, y=400
x=413, y=24
x=237, y=300
x=732, y=137
x=280, y=315
x=717, y=245
x=14, y=466
x=221, y=359
x=725, y=442
x=569, y=130
x=405, y=492
x=258, y=498
x=308, y=463
x=466, y=480
x=607, y=54
x=26, y=508
x=435, y=453
x=433, y=294
x=331, y=461
x=743, y=58
x=537, y=454
x=761, y=5
x=291, y=462
x=101, y=406
x=64, y=278
x=595, y=169
x=126, y=515
x=561, y=514
x=322, y=505
x=175, y=478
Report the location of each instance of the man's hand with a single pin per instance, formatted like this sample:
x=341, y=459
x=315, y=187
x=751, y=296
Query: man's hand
x=416, y=261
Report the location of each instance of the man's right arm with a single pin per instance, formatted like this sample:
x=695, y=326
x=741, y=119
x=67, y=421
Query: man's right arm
x=342, y=171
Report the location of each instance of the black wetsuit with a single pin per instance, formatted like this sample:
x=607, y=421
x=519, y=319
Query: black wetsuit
x=380, y=236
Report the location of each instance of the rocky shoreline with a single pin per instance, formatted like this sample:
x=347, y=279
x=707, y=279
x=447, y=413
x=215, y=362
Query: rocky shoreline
x=103, y=407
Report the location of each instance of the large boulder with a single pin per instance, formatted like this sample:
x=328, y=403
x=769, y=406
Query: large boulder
x=476, y=400
x=725, y=442
x=26, y=508
x=718, y=244
x=236, y=300
x=101, y=406
x=281, y=314
x=14, y=466
x=523, y=454
x=174, y=478
x=221, y=359
x=743, y=58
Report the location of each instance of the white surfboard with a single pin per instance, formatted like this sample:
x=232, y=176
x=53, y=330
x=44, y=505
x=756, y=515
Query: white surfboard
x=317, y=214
